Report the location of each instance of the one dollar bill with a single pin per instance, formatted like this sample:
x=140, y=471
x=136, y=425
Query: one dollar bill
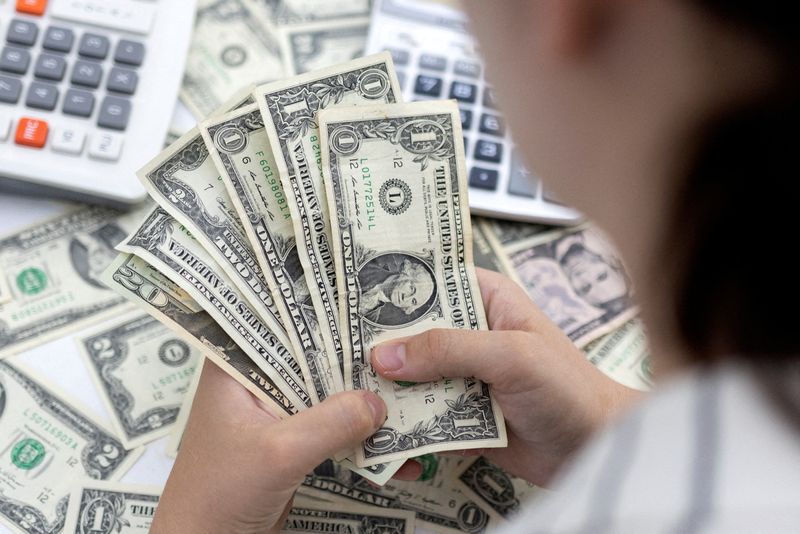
x=309, y=515
x=396, y=184
x=96, y=507
x=143, y=371
x=46, y=443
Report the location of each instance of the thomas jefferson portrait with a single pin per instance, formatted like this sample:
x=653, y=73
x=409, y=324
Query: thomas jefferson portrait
x=396, y=289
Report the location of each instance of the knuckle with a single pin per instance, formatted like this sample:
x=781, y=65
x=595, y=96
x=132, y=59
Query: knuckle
x=436, y=342
x=353, y=414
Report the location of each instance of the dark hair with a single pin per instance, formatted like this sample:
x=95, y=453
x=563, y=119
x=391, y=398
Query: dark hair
x=736, y=215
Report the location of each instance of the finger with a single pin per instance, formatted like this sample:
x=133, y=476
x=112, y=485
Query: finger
x=340, y=423
x=442, y=353
x=410, y=471
x=507, y=305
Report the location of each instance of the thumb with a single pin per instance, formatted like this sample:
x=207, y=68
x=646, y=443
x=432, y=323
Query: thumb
x=339, y=423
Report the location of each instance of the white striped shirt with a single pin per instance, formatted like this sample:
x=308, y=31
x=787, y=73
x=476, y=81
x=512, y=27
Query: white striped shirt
x=708, y=453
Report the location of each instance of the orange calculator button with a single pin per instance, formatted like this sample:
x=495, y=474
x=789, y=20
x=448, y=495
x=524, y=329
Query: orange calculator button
x=31, y=132
x=31, y=7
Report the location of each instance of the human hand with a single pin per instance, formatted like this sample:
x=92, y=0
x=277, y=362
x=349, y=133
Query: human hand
x=239, y=465
x=552, y=398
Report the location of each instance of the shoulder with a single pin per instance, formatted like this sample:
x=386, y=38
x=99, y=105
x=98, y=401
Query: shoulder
x=707, y=453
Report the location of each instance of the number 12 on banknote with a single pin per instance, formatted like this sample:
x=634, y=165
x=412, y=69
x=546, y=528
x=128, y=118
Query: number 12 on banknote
x=397, y=193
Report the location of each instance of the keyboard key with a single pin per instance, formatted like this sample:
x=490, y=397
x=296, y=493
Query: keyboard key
x=522, y=182
x=87, y=73
x=467, y=68
x=31, y=132
x=432, y=62
x=58, y=39
x=93, y=46
x=105, y=146
x=466, y=118
x=464, y=92
x=78, y=103
x=14, y=60
x=489, y=98
x=10, y=89
x=483, y=178
x=400, y=57
x=50, y=67
x=68, y=140
x=428, y=85
x=22, y=32
x=42, y=96
x=122, y=81
x=31, y=7
x=492, y=125
x=129, y=52
x=114, y=113
x=489, y=151
x=5, y=128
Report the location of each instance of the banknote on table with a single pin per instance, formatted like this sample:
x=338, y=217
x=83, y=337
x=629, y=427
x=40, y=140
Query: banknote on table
x=397, y=188
x=438, y=505
x=176, y=435
x=96, y=507
x=283, y=13
x=500, y=494
x=624, y=355
x=577, y=279
x=307, y=515
x=46, y=443
x=169, y=247
x=487, y=251
x=289, y=110
x=145, y=286
x=143, y=371
x=5, y=292
x=233, y=44
x=507, y=233
x=308, y=47
x=240, y=148
x=53, y=269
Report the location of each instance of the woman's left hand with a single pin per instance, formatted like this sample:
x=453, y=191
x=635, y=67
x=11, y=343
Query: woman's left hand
x=239, y=465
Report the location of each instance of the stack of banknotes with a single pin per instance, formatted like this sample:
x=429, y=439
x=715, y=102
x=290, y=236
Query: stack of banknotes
x=296, y=227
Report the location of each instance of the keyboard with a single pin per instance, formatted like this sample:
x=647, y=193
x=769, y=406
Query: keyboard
x=87, y=90
x=436, y=57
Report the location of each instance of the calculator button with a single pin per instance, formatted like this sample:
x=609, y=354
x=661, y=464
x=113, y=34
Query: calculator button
x=50, y=67
x=122, y=81
x=42, y=96
x=489, y=98
x=58, y=39
x=93, y=46
x=399, y=57
x=5, y=127
x=429, y=61
x=114, y=113
x=31, y=7
x=522, y=182
x=467, y=68
x=129, y=52
x=79, y=103
x=10, y=89
x=68, y=140
x=492, y=125
x=105, y=146
x=488, y=151
x=31, y=132
x=463, y=92
x=14, y=60
x=428, y=86
x=22, y=32
x=466, y=118
x=483, y=178
x=86, y=73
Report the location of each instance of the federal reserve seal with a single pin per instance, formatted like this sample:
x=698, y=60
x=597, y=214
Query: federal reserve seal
x=174, y=352
x=395, y=196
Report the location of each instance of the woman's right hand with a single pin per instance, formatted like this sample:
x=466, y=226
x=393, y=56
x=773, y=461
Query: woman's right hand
x=552, y=398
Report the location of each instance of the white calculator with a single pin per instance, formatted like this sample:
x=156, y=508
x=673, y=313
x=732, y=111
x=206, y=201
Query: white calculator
x=436, y=57
x=87, y=90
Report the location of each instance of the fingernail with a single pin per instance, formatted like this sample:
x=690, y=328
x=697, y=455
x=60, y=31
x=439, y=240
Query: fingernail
x=377, y=406
x=391, y=356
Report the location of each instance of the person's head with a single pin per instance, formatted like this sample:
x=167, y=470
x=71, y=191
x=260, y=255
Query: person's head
x=411, y=288
x=669, y=123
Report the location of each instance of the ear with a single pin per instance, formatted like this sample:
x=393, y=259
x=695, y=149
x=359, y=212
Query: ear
x=571, y=28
